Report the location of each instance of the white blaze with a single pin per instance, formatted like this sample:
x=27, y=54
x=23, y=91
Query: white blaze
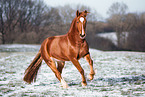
x=82, y=19
x=82, y=30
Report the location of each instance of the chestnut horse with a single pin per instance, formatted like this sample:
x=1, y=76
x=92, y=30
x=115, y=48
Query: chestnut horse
x=69, y=47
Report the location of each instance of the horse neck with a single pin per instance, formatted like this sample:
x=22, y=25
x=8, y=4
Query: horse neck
x=73, y=33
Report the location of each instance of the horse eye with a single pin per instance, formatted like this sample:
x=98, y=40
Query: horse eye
x=77, y=22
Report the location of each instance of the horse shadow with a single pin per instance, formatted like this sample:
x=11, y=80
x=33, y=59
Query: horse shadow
x=134, y=79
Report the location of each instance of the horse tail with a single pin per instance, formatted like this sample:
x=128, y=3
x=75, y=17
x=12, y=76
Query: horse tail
x=32, y=70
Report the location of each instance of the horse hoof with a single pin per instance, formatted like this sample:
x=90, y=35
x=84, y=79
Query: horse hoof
x=64, y=84
x=84, y=84
x=91, y=76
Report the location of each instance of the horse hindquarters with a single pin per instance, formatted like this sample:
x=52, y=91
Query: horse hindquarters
x=32, y=70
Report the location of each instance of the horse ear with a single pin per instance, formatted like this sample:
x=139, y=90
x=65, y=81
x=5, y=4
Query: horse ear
x=86, y=11
x=77, y=13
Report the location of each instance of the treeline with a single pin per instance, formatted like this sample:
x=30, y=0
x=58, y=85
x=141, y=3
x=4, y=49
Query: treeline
x=24, y=21
x=31, y=21
x=129, y=27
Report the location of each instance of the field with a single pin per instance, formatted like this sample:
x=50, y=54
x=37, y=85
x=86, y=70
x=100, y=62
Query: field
x=117, y=74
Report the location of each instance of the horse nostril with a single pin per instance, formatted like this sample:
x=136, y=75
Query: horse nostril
x=82, y=35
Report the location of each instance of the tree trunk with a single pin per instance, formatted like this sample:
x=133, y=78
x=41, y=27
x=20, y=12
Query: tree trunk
x=3, y=38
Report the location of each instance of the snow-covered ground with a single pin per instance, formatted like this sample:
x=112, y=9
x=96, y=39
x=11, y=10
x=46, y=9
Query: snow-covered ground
x=117, y=74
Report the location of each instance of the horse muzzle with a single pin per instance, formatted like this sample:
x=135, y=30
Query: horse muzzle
x=82, y=36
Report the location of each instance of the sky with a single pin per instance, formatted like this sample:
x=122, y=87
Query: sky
x=101, y=6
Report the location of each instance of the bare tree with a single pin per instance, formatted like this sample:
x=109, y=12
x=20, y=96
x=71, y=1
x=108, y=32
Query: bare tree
x=8, y=15
x=93, y=16
x=52, y=16
x=67, y=13
x=2, y=33
x=119, y=8
x=136, y=37
x=25, y=15
x=117, y=12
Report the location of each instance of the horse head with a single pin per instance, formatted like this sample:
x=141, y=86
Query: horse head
x=81, y=23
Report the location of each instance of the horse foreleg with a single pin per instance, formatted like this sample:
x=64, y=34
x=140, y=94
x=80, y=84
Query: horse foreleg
x=90, y=61
x=80, y=69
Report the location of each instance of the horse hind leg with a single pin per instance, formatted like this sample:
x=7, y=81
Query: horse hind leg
x=57, y=72
x=49, y=61
x=60, y=65
x=53, y=67
x=59, y=68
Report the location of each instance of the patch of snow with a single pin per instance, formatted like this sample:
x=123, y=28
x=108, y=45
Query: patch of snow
x=112, y=36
